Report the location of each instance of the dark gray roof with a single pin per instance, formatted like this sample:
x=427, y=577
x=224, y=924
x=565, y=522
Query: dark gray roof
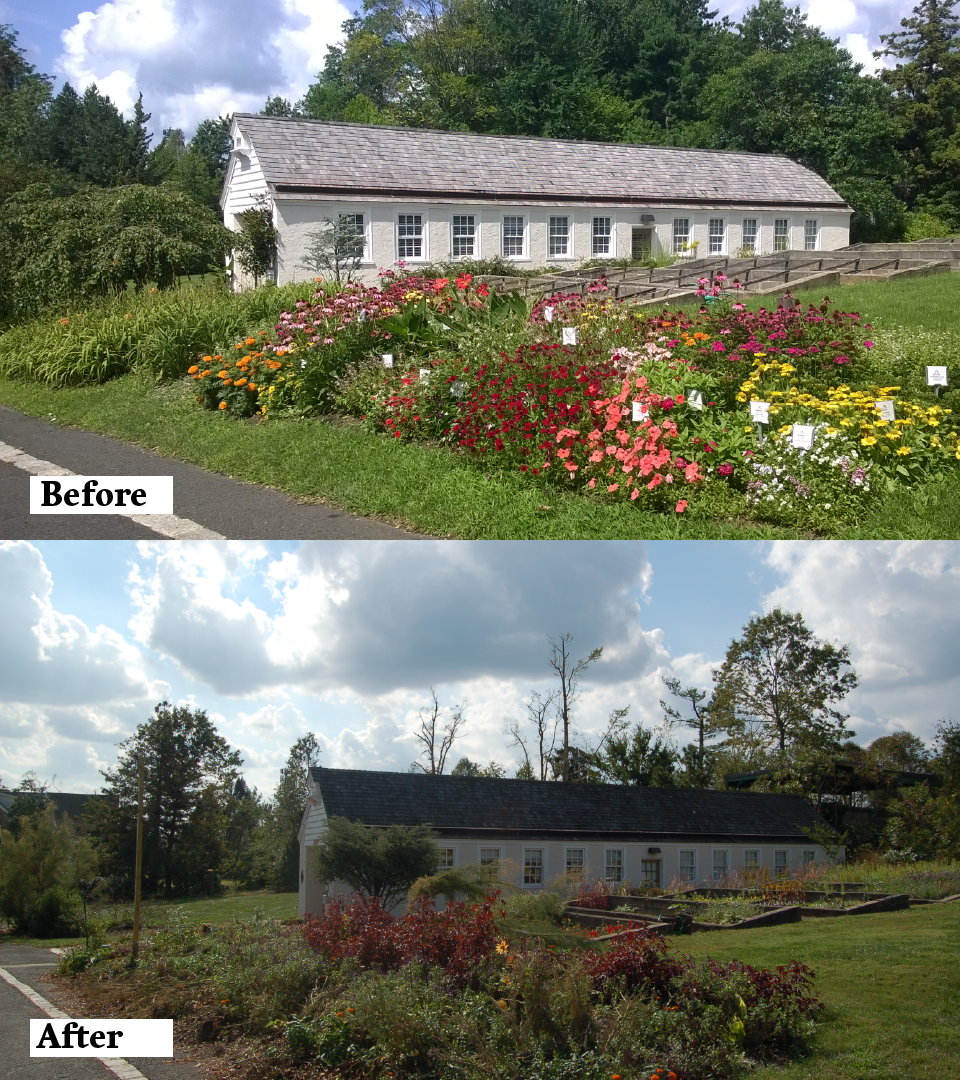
x=476, y=806
x=319, y=156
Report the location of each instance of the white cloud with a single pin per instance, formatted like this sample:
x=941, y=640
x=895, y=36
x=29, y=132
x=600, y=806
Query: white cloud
x=202, y=58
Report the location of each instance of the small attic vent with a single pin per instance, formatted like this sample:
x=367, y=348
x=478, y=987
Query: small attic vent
x=647, y=219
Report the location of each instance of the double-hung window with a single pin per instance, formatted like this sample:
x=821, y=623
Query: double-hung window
x=688, y=867
x=513, y=237
x=716, y=236
x=601, y=236
x=749, y=240
x=533, y=866
x=751, y=860
x=719, y=867
x=464, y=235
x=810, y=233
x=448, y=858
x=410, y=236
x=575, y=863
x=559, y=242
x=490, y=861
x=781, y=234
x=681, y=235
x=808, y=857
x=614, y=866
x=781, y=863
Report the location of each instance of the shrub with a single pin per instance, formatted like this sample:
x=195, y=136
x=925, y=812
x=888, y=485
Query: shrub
x=55, y=912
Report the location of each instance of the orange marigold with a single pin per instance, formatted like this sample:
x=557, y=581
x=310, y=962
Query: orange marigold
x=193, y=370
x=251, y=341
x=223, y=404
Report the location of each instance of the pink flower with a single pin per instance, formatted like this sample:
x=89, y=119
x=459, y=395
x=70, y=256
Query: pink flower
x=724, y=469
x=681, y=506
x=592, y=484
x=868, y=344
x=612, y=487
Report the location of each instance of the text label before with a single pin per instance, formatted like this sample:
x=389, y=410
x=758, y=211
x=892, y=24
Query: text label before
x=132, y=495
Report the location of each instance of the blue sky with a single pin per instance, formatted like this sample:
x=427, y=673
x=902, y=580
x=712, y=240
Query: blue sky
x=200, y=58
x=275, y=639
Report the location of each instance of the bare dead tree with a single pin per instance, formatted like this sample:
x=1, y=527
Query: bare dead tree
x=569, y=673
x=438, y=740
x=542, y=714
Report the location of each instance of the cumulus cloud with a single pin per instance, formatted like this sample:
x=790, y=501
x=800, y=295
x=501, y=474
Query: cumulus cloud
x=898, y=606
x=201, y=58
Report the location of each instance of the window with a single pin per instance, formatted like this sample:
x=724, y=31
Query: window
x=781, y=234
x=716, y=235
x=681, y=235
x=781, y=863
x=751, y=860
x=808, y=857
x=559, y=236
x=719, y=867
x=410, y=236
x=601, y=236
x=575, y=863
x=749, y=240
x=688, y=866
x=650, y=872
x=356, y=220
x=448, y=858
x=513, y=237
x=464, y=232
x=490, y=859
x=614, y=867
x=810, y=234
x=533, y=866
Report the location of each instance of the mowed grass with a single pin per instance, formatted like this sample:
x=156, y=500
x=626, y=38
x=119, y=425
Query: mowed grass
x=433, y=491
x=890, y=983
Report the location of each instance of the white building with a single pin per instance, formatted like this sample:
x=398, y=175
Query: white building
x=538, y=832
x=433, y=196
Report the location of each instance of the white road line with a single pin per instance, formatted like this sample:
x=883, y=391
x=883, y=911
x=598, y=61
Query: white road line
x=121, y=1069
x=169, y=525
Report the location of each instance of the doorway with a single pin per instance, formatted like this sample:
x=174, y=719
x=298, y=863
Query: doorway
x=650, y=872
x=641, y=243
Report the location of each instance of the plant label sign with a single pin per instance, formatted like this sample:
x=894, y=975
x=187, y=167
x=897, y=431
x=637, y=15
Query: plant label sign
x=760, y=412
x=936, y=375
x=548, y=314
x=388, y=359
x=424, y=374
x=695, y=399
x=101, y=1038
x=130, y=495
x=802, y=436
x=458, y=389
x=640, y=412
x=886, y=410
x=569, y=335
x=361, y=316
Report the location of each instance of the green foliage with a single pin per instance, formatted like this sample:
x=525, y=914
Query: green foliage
x=56, y=911
x=643, y=758
x=336, y=249
x=381, y=863
x=255, y=246
x=463, y=883
x=923, y=225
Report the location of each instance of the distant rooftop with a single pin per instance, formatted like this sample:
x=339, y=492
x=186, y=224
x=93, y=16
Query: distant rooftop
x=327, y=157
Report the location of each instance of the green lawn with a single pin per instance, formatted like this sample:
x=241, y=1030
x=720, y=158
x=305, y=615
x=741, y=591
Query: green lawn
x=891, y=984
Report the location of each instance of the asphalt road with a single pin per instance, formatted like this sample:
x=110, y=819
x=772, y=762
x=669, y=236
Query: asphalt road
x=234, y=510
x=27, y=964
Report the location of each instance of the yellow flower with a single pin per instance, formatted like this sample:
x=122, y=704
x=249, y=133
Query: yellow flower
x=503, y=946
x=903, y=450
x=869, y=440
x=934, y=440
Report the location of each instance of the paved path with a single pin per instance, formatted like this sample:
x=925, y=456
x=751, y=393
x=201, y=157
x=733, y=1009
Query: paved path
x=26, y=964
x=205, y=503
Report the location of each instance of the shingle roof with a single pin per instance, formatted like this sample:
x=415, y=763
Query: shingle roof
x=467, y=805
x=312, y=156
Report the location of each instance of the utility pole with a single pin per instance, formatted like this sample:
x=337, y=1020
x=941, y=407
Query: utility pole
x=136, y=884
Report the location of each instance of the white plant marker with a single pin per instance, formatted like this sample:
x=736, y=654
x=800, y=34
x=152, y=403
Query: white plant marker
x=640, y=412
x=361, y=315
x=760, y=415
x=424, y=374
x=886, y=410
x=802, y=436
x=548, y=314
x=458, y=388
x=695, y=399
x=569, y=335
x=936, y=377
x=388, y=359
x=303, y=364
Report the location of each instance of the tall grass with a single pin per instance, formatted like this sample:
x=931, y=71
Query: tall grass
x=156, y=332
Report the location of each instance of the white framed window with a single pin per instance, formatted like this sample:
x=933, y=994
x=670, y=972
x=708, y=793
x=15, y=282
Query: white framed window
x=688, y=867
x=721, y=862
x=751, y=859
x=410, y=236
x=448, y=858
x=359, y=224
x=681, y=235
x=781, y=863
x=559, y=237
x=716, y=236
x=808, y=856
x=650, y=872
x=464, y=236
x=513, y=245
x=781, y=234
x=749, y=235
x=613, y=871
x=533, y=866
x=602, y=232
x=575, y=863
x=489, y=856
x=810, y=234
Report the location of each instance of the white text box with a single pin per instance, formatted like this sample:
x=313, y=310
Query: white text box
x=132, y=495
x=101, y=1038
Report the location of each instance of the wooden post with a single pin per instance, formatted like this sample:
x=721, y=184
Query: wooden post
x=136, y=884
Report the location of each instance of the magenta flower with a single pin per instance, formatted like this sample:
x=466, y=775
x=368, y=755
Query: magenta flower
x=868, y=344
x=725, y=469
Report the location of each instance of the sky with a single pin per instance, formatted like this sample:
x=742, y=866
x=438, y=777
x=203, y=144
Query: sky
x=345, y=639
x=195, y=59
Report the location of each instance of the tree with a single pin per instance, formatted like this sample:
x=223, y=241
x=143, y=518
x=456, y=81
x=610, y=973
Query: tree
x=30, y=801
x=438, y=740
x=946, y=762
x=256, y=243
x=286, y=811
x=569, y=674
x=781, y=682
x=466, y=767
x=335, y=249
x=382, y=863
x=24, y=97
x=542, y=714
x=643, y=758
x=189, y=775
x=699, y=706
